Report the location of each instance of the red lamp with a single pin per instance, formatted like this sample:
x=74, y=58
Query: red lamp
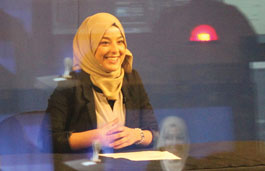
x=203, y=33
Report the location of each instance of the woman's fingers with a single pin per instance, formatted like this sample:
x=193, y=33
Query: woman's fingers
x=124, y=142
x=115, y=130
x=116, y=136
x=121, y=142
x=124, y=138
x=107, y=133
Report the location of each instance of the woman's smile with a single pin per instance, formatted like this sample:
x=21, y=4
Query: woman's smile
x=112, y=59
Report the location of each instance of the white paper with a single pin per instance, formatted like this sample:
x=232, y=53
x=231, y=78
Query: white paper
x=143, y=155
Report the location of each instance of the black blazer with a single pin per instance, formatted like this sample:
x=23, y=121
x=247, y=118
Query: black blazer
x=71, y=108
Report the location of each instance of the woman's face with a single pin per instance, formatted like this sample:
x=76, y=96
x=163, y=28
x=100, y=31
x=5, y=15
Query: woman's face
x=111, y=50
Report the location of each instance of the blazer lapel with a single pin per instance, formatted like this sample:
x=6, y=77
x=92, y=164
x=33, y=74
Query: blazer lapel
x=130, y=107
x=89, y=97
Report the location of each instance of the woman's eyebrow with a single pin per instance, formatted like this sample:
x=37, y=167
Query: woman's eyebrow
x=105, y=38
x=121, y=37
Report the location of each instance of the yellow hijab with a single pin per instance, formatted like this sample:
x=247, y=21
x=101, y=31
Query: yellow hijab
x=85, y=44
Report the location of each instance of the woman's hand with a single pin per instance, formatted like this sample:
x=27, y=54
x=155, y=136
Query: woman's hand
x=80, y=140
x=103, y=134
x=123, y=137
x=111, y=135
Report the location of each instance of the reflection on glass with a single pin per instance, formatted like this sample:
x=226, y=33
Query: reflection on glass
x=173, y=138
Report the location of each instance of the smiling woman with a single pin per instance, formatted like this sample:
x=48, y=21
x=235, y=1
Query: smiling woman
x=104, y=101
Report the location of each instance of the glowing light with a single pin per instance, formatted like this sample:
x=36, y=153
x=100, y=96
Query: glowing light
x=204, y=37
x=88, y=163
x=203, y=33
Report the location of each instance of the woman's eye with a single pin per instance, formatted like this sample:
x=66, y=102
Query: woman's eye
x=104, y=43
x=121, y=41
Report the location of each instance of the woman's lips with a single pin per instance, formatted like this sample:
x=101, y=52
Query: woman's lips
x=112, y=59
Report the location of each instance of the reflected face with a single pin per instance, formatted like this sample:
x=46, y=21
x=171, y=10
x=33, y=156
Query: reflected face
x=174, y=135
x=111, y=50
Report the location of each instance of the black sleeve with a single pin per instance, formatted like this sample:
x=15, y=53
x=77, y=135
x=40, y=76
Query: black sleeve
x=57, y=118
x=147, y=117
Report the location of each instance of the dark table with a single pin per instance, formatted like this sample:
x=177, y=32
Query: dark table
x=240, y=155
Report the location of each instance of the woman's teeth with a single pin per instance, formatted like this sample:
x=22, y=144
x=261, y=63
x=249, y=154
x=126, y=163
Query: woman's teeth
x=112, y=59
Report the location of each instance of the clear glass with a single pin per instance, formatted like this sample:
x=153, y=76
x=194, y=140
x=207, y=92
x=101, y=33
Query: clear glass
x=214, y=87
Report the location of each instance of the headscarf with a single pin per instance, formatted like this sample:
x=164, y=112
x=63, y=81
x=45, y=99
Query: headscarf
x=86, y=41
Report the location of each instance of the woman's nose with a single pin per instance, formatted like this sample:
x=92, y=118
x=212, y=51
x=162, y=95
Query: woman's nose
x=114, y=48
